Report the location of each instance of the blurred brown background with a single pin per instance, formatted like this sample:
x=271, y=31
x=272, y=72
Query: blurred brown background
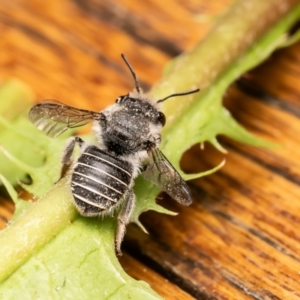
x=240, y=238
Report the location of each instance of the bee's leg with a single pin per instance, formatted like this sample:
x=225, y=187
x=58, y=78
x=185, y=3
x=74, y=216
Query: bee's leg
x=123, y=219
x=143, y=168
x=67, y=153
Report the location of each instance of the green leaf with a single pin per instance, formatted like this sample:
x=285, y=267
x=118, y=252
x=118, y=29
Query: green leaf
x=17, y=96
x=78, y=263
x=25, y=150
x=20, y=205
x=70, y=273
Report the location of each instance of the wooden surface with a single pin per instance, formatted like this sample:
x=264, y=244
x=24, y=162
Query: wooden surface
x=240, y=239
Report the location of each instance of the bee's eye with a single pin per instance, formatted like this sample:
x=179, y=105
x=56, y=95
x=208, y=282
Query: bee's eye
x=161, y=118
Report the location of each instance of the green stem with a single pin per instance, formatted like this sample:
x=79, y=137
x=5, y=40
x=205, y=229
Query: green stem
x=243, y=24
x=43, y=221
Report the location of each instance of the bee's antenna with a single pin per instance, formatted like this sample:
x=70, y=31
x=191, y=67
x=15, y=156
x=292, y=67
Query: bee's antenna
x=137, y=87
x=178, y=94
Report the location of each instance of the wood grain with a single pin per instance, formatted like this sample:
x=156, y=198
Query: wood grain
x=240, y=238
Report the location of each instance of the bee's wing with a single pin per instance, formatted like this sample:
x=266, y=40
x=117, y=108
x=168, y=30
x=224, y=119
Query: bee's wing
x=162, y=173
x=54, y=117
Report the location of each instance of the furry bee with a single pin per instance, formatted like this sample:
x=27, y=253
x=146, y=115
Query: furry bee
x=128, y=134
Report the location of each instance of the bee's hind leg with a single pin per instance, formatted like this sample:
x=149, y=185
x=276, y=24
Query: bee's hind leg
x=123, y=219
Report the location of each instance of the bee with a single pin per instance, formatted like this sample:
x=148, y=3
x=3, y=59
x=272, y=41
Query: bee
x=128, y=134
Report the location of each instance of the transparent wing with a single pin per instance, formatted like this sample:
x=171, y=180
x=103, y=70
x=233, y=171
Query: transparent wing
x=54, y=117
x=162, y=173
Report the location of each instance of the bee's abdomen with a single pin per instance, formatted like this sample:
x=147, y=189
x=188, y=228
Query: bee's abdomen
x=99, y=181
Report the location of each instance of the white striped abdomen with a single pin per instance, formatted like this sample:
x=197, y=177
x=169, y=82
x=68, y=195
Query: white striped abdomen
x=99, y=181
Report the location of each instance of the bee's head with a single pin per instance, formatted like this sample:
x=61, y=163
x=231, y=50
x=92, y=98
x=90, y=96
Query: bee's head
x=139, y=102
x=138, y=105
